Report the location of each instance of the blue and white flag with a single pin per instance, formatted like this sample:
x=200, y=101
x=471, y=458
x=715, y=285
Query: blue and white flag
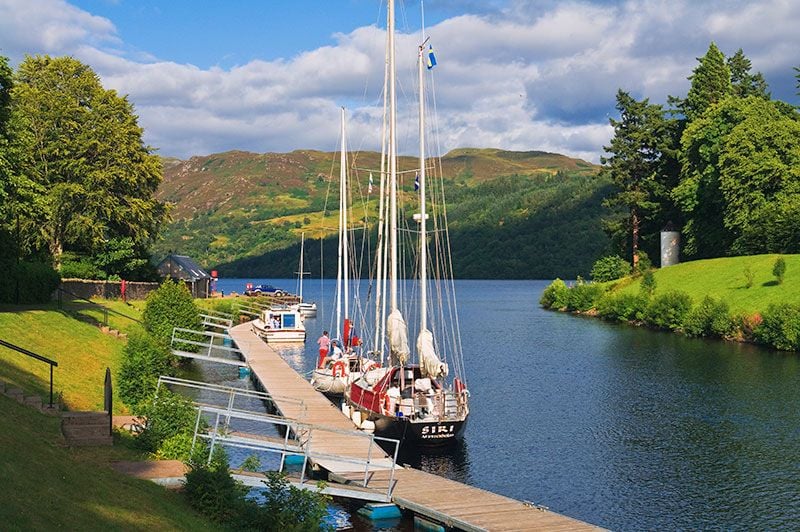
x=369, y=190
x=431, y=58
x=416, y=182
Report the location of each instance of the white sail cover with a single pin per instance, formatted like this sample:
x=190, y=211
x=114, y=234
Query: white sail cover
x=429, y=363
x=398, y=337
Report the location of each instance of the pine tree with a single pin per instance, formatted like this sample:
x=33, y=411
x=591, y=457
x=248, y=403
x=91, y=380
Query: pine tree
x=743, y=83
x=711, y=82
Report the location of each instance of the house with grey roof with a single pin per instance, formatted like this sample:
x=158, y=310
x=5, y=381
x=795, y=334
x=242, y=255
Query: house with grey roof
x=197, y=280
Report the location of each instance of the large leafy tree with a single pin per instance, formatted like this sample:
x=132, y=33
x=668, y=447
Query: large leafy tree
x=633, y=165
x=87, y=154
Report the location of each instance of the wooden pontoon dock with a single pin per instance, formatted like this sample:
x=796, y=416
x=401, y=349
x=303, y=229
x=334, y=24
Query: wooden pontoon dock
x=344, y=452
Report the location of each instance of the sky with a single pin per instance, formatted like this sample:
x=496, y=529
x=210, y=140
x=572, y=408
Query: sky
x=270, y=75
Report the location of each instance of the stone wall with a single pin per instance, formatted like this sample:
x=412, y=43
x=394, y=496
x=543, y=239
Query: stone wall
x=107, y=289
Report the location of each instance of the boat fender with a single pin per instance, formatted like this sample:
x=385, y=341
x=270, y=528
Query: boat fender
x=338, y=369
x=387, y=402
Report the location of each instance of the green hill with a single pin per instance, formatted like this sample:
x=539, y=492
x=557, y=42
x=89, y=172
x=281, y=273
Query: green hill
x=725, y=279
x=243, y=213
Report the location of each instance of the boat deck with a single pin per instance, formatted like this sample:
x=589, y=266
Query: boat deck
x=446, y=501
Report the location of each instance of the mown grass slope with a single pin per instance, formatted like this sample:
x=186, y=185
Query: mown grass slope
x=82, y=351
x=47, y=486
x=726, y=279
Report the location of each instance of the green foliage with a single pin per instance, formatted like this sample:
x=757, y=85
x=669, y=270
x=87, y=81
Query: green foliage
x=743, y=83
x=643, y=262
x=144, y=359
x=648, y=286
x=214, y=493
x=779, y=269
x=668, y=310
x=622, y=307
x=711, y=82
x=710, y=318
x=555, y=296
x=610, y=268
x=177, y=447
x=251, y=463
x=167, y=416
x=76, y=266
x=780, y=327
x=35, y=282
x=583, y=296
x=84, y=151
x=749, y=277
x=169, y=306
x=293, y=509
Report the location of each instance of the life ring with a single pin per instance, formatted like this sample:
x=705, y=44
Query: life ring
x=338, y=365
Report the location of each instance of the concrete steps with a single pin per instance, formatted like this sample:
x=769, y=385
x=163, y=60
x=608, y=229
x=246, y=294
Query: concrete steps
x=83, y=429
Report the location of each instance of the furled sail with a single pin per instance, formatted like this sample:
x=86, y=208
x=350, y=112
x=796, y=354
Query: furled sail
x=430, y=364
x=398, y=337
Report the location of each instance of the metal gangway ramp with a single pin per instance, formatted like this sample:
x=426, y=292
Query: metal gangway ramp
x=446, y=501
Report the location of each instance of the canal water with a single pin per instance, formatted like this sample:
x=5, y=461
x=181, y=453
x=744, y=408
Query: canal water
x=622, y=427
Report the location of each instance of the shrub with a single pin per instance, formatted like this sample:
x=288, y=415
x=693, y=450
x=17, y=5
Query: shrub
x=583, y=296
x=668, y=310
x=780, y=327
x=289, y=508
x=779, y=270
x=167, y=415
x=749, y=277
x=144, y=359
x=622, y=307
x=709, y=318
x=171, y=305
x=555, y=296
x=648, y=286
x=214, y=493
x=79, y=267
x=644, y=263
x=746, y=325
x=36, y=281
x=610, y=268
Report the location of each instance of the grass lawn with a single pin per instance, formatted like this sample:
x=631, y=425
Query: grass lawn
x=48, y=487
x=725, y=279
x=82, y=351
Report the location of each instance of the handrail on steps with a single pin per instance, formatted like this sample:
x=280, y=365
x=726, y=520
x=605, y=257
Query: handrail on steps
x=105, y=309
x=41, y=358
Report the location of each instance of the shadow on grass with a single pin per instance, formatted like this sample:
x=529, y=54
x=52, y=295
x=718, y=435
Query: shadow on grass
x=771, y=283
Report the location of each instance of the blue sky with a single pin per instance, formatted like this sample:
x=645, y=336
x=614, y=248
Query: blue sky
x=209, y=76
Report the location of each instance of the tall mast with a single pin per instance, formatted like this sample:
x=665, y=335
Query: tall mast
x=380, y=276
x=392, y=161
x=301, y=272
x=341, y=276
x=423, y=237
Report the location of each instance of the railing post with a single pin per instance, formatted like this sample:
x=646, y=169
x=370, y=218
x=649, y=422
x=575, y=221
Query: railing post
x=105, y=316
x=51, y=386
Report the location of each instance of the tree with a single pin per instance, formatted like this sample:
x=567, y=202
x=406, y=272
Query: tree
x=86, y=149
x=169, y=306
x=633, y=165
x=711, y=82
x=743, y=83
x=779, y=269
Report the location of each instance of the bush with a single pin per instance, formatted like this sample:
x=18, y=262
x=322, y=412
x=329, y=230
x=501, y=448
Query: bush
x=78, y=267
x=622, y=307
x=167, y=415
x=144, y=359
x=644, y=264
x=171, y=305
x=583, y=296
x=289, y=508
x=709, y=318
x=779, y=270
x=648, y=286
x=668, y=310
x=610, y=268
x=780, y=327
x=555, y=296
x=215, y=494
x=36, y=280
x=749, y=277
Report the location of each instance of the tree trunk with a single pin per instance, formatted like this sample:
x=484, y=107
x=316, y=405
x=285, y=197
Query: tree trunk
x=635, y=237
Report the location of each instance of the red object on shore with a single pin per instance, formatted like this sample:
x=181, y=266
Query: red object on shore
x=123, y=287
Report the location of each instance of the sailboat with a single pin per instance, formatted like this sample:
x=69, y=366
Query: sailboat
x=417, y=402
x=334, y=373
x=307, y=308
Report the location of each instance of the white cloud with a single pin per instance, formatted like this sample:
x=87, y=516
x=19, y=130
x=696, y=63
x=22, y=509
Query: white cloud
x=527, y=75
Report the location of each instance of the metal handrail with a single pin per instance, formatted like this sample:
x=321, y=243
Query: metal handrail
x=105, y=309
x=41, y=358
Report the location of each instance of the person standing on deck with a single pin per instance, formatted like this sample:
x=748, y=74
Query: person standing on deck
x=324, y=342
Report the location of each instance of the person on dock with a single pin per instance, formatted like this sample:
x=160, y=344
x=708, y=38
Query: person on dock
x=324, y=342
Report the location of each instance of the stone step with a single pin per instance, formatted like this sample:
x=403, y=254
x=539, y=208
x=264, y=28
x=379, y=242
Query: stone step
x=84, y=418
x=33, y=401
x=98, y=441
x=80, y=431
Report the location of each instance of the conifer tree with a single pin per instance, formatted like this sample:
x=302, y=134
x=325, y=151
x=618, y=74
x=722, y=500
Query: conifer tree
x=743, y=83
x=711, y=82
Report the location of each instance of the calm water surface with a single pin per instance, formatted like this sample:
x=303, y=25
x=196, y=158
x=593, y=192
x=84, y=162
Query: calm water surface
x=622, y=427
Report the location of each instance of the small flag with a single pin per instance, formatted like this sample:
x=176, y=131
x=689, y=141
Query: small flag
x=416, y=182
x=431, y=58
x=369, y=189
